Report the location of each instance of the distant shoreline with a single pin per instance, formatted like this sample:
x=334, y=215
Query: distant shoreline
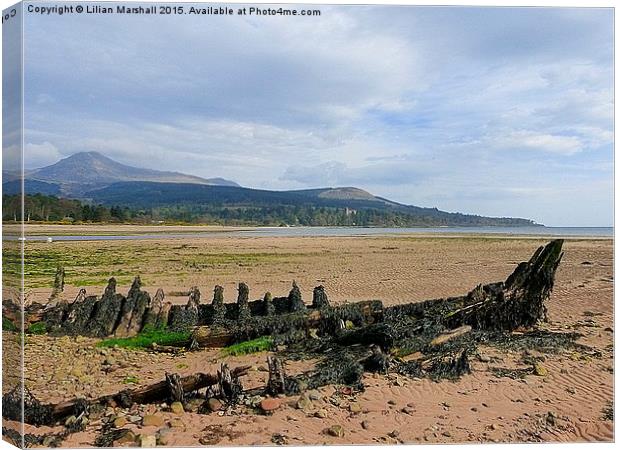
x=40, y=232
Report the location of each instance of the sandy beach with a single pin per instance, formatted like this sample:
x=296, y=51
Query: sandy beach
x=568, y=403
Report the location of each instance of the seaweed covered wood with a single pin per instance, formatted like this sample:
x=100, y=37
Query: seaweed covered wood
x=516, y=302
x=173, y=386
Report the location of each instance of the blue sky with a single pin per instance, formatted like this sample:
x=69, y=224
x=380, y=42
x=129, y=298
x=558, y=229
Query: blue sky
x=493, y=111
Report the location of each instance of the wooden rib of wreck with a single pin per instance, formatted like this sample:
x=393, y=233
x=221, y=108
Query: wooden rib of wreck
x=173, y=388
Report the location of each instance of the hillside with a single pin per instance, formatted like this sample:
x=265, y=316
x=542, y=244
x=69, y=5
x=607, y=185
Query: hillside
x=132, y=193
x=342, y=206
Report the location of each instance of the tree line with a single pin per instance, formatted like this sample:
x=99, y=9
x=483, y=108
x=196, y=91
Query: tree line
x=47, y=208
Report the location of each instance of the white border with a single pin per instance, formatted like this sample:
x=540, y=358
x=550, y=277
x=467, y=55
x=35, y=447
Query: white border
x=554, y=3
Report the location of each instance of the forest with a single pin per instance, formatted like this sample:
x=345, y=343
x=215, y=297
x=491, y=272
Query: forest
x=49, y=208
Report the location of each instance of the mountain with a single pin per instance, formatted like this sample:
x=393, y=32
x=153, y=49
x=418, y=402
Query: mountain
x=256, y=205
x=86, y=171
x=96, y=179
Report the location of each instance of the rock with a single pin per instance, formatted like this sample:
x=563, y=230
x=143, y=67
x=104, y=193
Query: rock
x=304, y=403
x=148, y=440
x=365, y=424
x=213, y=404
x=391, y=402
x=270, y=404
x=484, y=358
x=314, y=395
x=540, y=370
x=109, y=361
x=550, y=419
x=177, y=408
x=163, y=437
x=120, y=422
x=446, y=434
x=70, y=421
x=153, y=420
x=335, y=431
x=321, y=414
x=177, y=422
x=254, y=401
x=49, y=441
x=355, y=408
x=194, y=404
x=394, y=434
x=126, y=438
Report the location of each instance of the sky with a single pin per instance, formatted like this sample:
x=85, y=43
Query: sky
x=491, y=111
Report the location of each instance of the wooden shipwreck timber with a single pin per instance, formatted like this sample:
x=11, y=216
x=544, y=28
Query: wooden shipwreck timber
x=432, y=338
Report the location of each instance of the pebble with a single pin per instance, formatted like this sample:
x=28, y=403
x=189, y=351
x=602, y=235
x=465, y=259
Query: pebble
x=152, y=420
x=120, y=422
x=355, y=408
x=109, y=361
x=177, y=422
x=391, y=402
x=408, y=410
x=194, y=404
x=214, y=404
x=70, y=421
x=304, y=403
x=163, y=437
x=314, y=395
x=270, y=404
x=177, y=408
x=148, y=440
x=336, y=431
x=127, y=438
x=321, y=414
x=540, y=370
x=365, y=424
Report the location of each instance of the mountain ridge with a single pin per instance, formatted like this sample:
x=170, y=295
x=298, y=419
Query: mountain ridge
x=85, y=171
x=98, y=179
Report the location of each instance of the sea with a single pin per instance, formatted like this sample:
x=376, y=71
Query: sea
x=534, y=231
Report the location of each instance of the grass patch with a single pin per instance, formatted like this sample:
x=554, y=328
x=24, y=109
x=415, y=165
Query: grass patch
x=149, y=337
x=261, y=344
x=131, y=379
x=37, y=328
x=7, y=325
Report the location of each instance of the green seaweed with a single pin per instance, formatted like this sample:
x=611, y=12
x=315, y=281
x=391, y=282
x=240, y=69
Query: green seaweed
x=148, y=337
x=261, y=344
x=37, y=328
x=8, y=325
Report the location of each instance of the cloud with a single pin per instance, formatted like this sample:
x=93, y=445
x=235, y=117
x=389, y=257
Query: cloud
x=423, y=104
x=40, y=154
